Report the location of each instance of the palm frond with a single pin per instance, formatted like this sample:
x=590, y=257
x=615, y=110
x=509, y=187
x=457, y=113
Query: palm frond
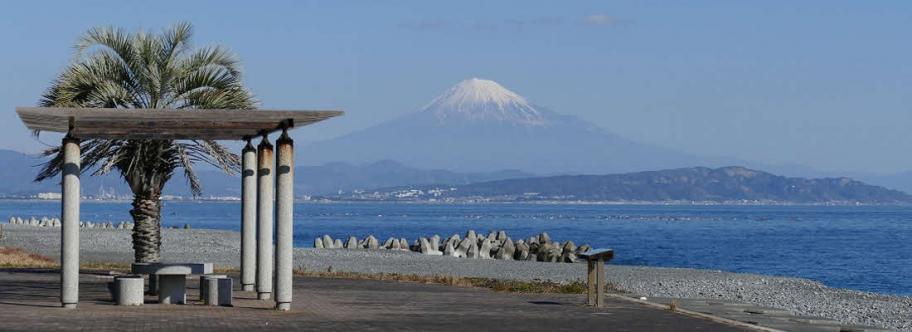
x=117, y=69
x=186, y=162
x=174, y=40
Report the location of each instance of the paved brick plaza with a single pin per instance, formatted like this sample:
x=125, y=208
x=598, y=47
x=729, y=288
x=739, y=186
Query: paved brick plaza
x=29, y=301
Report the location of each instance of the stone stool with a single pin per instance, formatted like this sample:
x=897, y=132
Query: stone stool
x=204, y=285
x=225, y=291
x=128, y=289
x=172, y=288
x=216, y=290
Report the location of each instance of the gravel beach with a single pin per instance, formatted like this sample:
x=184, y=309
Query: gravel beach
x=800, y=296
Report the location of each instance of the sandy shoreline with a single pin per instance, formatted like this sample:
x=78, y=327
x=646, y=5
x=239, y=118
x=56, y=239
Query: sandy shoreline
x=222, y=248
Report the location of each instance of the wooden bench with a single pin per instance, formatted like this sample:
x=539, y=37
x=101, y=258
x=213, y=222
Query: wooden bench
x=172, y=278
x=596, y=259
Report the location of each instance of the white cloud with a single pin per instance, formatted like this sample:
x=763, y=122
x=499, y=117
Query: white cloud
x=426, y=24
x=601, y=19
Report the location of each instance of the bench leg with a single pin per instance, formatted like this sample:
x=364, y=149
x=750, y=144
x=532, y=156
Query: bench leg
x=600, y=276
x=212, y=291
x=204, y=291
x=172, y=289
x=153, y=284
x=225, y=291
x=590, y=283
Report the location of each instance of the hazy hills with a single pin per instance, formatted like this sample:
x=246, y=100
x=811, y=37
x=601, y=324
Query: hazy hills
x=341, y=180
x=19, y=170
x=695, y=184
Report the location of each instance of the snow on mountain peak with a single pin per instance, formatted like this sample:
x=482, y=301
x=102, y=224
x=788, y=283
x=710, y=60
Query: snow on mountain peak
x=475, y=90
x=478, y=99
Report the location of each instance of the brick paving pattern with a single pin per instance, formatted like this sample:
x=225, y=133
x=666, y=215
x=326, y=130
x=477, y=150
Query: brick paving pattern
x=29, y=302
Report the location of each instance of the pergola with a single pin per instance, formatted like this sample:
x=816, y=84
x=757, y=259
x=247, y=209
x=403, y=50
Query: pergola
x=264, y=193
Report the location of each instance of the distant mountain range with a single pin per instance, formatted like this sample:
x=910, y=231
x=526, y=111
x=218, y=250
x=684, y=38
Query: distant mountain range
x=19, y=170
x=695, y=184
x=341, y=177
x=341, y=180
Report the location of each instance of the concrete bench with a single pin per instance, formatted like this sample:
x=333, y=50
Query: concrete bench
x=596, y=259
x=172, y=278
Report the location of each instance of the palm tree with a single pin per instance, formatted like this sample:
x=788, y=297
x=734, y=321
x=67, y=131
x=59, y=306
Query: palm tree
x=116, y=69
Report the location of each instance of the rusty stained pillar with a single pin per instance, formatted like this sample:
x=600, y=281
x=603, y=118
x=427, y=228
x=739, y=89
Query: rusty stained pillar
x=248, y=217
x=284, y=221
x=265, y=259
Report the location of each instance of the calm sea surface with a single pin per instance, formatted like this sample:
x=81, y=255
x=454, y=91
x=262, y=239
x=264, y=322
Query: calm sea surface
x=864, y=248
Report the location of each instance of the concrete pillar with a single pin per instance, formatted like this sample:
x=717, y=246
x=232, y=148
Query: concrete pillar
x=284, y=220
x=69, y=216
x=248, y=217
x=264, y=219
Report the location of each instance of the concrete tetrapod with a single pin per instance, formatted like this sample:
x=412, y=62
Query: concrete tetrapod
x=328, y=242
x=484, y=251
x=448, y=250
x=388, y=244
x=507, y=251
x=352, y=243
x=372, y=242
x=472, y=252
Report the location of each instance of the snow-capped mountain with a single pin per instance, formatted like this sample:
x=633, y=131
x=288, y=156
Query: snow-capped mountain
x=478, y=125
x=484, y=100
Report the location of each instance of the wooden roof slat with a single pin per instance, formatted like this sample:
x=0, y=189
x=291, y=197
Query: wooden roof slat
x=109, y=123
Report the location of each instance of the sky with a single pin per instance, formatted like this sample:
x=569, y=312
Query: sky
x=824, y=84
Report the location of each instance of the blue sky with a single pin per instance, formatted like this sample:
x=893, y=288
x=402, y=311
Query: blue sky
x=819, y=83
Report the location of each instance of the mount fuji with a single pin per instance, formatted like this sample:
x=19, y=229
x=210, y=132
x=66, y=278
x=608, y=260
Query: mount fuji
x=478, y=125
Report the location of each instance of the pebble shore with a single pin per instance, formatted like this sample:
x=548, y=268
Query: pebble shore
x=801, y=296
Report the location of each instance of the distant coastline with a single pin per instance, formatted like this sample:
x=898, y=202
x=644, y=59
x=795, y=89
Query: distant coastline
x=482, y=201
x=581, y=202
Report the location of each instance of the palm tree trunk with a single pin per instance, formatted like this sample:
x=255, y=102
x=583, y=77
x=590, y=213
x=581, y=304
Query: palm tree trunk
x=146, y=214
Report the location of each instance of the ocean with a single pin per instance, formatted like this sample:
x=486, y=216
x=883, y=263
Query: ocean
x=865, y=248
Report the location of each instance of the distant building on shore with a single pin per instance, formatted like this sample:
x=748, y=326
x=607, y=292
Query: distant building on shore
x=48, y=196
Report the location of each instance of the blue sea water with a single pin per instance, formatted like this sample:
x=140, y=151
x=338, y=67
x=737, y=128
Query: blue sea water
x=859, y=247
